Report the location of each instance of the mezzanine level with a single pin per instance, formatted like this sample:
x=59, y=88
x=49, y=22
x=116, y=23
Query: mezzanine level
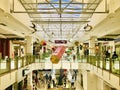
x=11, y=69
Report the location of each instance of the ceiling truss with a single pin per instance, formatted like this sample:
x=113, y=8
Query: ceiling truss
x=60, y=13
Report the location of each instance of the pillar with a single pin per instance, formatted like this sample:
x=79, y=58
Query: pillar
x=100, y=84
x=29, y=45
x=15, y=86
x=92, y=46
x=29, y=79
x=83, y=79
x=91, y=81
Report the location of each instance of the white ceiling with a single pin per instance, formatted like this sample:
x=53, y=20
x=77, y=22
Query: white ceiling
x=11, y=27
x=67, y=27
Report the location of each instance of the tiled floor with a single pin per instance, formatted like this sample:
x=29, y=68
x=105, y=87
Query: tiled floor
x=77, y=85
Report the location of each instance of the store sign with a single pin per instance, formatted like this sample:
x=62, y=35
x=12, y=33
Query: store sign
x=60, y=41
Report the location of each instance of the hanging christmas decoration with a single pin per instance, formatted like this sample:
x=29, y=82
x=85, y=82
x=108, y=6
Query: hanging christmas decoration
x=43, y=43
x=76, y=43
x=56, y=56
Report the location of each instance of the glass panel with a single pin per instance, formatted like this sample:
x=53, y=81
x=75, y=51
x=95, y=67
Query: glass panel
x=14, y=64
x=116, y=66
x=106, y=64
x=4, y=65
x=19, y=62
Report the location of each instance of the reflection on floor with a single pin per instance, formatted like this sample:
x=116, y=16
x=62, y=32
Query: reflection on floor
x=77, y=86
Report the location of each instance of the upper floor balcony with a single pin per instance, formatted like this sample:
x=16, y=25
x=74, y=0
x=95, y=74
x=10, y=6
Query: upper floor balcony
x=108, y=64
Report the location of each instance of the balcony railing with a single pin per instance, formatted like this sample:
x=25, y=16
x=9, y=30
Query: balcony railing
x=112, y=66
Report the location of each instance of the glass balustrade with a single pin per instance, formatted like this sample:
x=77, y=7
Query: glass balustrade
x=4, y=65
x=108, y=64
x=115, y=66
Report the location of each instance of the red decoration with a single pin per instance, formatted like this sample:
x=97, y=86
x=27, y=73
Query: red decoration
x=43, y=43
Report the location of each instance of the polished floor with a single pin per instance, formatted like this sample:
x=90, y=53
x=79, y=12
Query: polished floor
x=77, y=86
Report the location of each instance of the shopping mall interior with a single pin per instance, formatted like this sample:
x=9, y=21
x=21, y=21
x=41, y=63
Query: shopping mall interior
x=59, y=44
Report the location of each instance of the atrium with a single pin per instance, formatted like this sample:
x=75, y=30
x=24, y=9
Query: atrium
x=59, y=44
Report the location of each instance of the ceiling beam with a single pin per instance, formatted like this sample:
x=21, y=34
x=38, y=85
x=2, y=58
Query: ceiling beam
x=58, y=22
x=61, y=8
x=2, y=36
x=52, y=5
x=61, y=3
x=67, y=5
x=12, y=31
x=31, y=12
x=61, y=18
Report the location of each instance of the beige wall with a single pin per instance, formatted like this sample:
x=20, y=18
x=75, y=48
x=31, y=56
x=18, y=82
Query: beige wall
x=91, y=81
x=5, y=5
x=113, y=5
x=7, y=80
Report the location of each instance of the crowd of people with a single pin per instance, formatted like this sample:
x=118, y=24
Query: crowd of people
x=47, y=80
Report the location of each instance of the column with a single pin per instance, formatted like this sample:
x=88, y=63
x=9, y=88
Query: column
x=29, y=79
x=91, y=81
x=92, y=46
x=29, y=45
x=83, y=79
x=15, y=86
x=100, y=84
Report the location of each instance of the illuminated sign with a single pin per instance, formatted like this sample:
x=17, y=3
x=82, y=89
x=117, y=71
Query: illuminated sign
x=60, y=41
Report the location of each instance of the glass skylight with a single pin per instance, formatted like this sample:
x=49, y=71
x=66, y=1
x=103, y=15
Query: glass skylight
x=63, y=17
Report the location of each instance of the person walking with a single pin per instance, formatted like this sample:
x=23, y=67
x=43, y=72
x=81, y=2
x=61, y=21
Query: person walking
x=46, y=77
x=74, y=55
x=72, y=82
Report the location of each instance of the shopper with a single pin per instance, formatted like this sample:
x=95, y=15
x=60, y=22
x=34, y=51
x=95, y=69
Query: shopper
x=36, y=81
x=107, y=55
x=46, y=77
x=72, y=82
x=75, y=74
x=64, y=80
x=114, y=56
x=50, y=78
x=74, y=55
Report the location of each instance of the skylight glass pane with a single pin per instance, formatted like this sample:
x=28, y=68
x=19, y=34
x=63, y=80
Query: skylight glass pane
x=54, y=0
x=56, y=5
x=66, y=0
x=44, y=6
x=71, y=15
x=63, y=5
x=75, y=6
